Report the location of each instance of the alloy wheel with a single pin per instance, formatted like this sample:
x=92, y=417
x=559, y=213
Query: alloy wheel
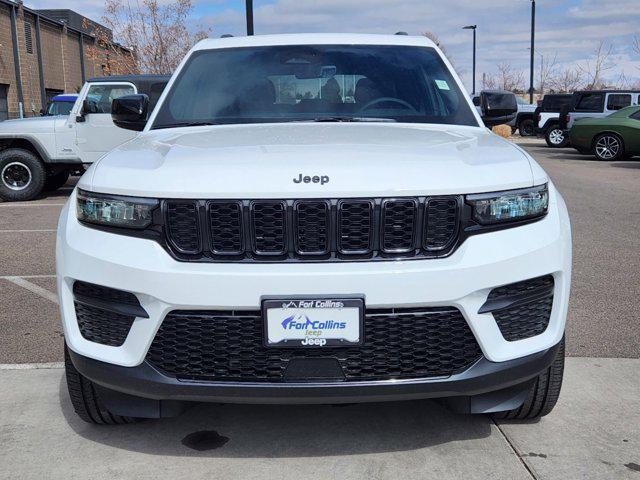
x=608, y=147
x=556, y=136
x=16, y=176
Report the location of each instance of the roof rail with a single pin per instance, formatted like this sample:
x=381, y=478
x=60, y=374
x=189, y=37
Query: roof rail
x=226, y=35
x=401, y=33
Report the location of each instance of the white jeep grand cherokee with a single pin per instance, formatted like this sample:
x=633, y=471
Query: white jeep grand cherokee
x=313, y=219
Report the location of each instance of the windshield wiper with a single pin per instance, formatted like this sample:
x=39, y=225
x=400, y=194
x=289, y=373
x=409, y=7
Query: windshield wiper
x=337, y=118
x=183, y=124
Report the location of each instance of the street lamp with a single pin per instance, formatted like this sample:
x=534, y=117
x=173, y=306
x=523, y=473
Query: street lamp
x=533, y=38
x=473, y=27
x=249, y=12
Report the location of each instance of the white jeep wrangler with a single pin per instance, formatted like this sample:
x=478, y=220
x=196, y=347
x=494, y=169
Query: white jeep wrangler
x=315, y=218
x=40, y=152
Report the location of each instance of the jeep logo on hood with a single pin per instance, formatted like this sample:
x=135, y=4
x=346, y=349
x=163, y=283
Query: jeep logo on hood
x=321, y=179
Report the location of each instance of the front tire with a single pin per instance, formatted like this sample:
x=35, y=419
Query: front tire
x=527, y=128
x=85, y=399
x=608, y=147
x=555, y=137
x=543, y=395
x=22, y=175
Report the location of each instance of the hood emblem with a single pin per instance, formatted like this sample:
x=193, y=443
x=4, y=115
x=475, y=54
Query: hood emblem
x=321, y=179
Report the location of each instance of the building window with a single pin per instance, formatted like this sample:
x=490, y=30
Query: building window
x=28, y=37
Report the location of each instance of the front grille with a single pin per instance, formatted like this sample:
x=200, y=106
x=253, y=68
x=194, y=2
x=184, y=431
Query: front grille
x=97, y=320
x=398, y=344
x=529, y=315
x=311, y=230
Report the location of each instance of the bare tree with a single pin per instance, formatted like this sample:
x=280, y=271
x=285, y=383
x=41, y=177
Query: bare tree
x=108, y=55
x=636, y=44
x=548, y=67
x=155, y=31
x=510, y=79
x=488, y=82
x=594, y=68
x=566, y=81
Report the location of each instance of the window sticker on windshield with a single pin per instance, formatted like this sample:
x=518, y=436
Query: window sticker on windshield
x=442, y=85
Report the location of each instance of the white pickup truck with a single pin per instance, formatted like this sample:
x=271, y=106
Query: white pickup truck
x=39, y=153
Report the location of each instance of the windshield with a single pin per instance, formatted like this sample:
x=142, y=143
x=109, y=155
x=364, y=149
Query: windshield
x=59, y=108
x=314, y=83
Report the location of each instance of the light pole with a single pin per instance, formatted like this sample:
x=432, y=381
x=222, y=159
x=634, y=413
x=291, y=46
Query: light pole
x=533, y=39
x=473, y=27
x=249, y=12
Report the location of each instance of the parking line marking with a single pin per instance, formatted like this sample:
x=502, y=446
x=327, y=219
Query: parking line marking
x=29, y=231
x=8, y=205
x=32, y=287
x=30, y=366
x=7, y=277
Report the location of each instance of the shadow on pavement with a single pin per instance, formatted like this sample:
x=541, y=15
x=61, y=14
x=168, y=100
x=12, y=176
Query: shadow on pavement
x=269, y=431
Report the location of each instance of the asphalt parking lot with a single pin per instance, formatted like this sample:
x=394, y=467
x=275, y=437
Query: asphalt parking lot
x=593, y=433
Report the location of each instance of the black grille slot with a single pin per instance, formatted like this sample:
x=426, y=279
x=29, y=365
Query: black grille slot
x=399, y=343
x=440, y=223
x=225, y=223
x=312, y=227
x=182, y=226
x=355, y=227
x=269, y=228
x=530, y=311
x=398, y=226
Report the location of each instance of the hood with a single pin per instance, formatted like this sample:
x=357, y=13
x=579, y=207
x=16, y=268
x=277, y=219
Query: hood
x=352, y=159
x=28, y=125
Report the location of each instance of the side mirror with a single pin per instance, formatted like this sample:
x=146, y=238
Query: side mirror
x=498, y=107
x=130, y=112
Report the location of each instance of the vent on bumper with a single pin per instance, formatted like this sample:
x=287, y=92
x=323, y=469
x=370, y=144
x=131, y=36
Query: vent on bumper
x=311, y=230
x=105, y=315
x=521, y=310
x=399, y=343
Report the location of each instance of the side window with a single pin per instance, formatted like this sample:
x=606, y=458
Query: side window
x=617, y=101
x=636, y=116
x=590, y=102
x=100, y=96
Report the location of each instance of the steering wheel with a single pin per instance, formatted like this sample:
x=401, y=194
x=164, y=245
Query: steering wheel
x=388, y=99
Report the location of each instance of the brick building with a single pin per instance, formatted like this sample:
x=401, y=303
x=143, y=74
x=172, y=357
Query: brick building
x=47, y=52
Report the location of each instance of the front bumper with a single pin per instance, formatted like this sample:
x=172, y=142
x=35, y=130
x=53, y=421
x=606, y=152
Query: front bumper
x=485, y=387
x=462, y=280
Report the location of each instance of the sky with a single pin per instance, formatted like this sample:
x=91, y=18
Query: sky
x=570, y=29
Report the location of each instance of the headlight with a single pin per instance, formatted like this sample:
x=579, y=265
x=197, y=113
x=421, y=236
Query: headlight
x=113, y=210
x=510, y=206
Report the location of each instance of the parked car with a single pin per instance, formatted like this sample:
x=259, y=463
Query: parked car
x=524, y=121
x=40, y=152
x=271, y=237
x=609, y=138
x=60, y=105
x=547, y=118
x=595, y=104
x=501, y=104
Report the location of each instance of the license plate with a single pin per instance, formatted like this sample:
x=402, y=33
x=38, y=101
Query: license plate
x=313, y=322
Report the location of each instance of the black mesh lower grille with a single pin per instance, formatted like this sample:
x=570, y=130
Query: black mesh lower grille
x=228, y=346
x=102, y=326
x=528, y=317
